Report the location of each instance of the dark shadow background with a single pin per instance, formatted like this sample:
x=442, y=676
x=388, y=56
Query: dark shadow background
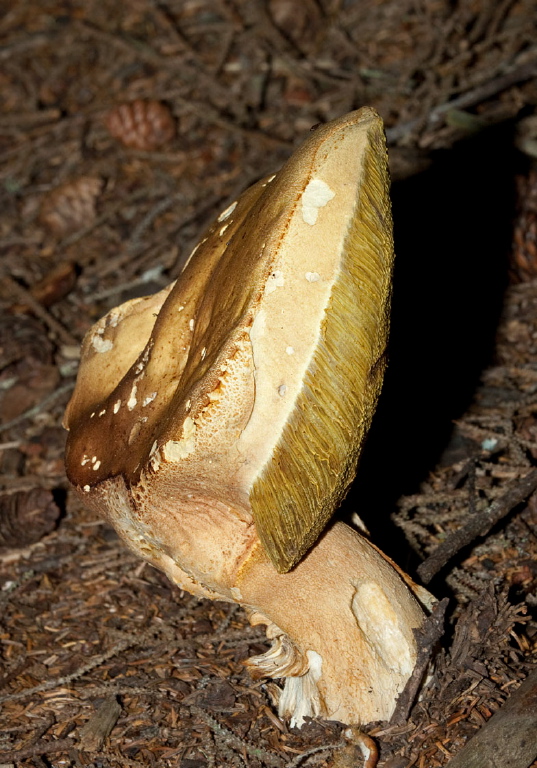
x=453, y=233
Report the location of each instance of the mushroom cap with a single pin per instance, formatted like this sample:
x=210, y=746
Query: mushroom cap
x=255, y=376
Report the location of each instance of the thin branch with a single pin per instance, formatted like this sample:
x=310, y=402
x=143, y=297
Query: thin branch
x=23, y=120
x=39, y=748
x=427, y=636
x=478, y=525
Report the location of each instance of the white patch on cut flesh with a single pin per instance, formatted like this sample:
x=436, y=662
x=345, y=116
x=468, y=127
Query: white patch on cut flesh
x=316, y=195
x=175, y=450
x=275, y=280
x=379, y=621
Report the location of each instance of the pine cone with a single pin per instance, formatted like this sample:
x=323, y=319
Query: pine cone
x=139, y=124
x=71, y=206
x=26, y=516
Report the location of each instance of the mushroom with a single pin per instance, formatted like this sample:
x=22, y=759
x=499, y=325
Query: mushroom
x=217, y=424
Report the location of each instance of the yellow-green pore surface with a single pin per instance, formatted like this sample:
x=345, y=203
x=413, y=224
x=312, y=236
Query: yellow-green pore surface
x=151, y=388
x=315, y=458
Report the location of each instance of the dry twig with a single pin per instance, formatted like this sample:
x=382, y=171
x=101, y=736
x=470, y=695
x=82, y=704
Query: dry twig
x=37, y=749
x=478, y=525
x=427, y=637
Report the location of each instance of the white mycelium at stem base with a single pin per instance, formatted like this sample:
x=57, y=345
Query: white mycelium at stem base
x=218, y=423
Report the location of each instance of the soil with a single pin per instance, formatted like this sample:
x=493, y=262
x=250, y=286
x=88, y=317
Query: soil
x=124, y=129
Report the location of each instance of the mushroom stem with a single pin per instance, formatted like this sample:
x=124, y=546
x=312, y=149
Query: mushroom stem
x=341, y=624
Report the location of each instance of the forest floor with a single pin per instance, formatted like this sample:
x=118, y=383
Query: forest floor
x=124, y=129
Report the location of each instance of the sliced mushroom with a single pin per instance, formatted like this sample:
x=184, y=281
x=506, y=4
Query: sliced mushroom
x=218, y=424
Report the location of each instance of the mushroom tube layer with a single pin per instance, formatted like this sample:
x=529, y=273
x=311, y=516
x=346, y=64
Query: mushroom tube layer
x=218, y=423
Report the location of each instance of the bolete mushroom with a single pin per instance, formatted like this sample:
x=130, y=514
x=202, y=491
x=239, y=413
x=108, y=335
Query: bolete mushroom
x=217, y=424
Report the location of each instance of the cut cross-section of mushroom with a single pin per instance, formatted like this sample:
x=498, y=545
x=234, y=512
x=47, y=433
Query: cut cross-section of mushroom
x=218, y=423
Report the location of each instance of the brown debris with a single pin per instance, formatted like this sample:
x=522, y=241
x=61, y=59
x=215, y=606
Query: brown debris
x=524, y=257
x=28, y=299
x=359, y=750
x=56, y=284
x=53, y=287
x=26, y=383
x=301, y=24
x=23, y=339
x=145, y=125
x=509, y=738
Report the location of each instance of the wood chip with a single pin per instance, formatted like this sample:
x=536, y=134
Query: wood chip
x=100, y=725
